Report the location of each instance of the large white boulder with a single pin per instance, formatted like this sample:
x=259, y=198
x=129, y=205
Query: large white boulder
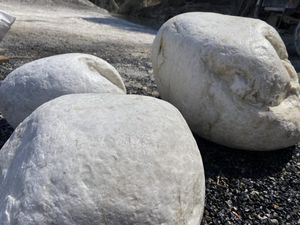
x=91, y=159
x=231, y=79
x=37, y=82
x=6, y=21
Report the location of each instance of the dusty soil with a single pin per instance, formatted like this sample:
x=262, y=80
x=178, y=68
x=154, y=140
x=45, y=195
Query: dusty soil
x=40, y=32
x=241, y=187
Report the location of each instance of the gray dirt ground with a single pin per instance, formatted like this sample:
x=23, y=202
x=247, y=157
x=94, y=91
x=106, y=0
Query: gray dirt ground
x=42, y=32
x=241, y=187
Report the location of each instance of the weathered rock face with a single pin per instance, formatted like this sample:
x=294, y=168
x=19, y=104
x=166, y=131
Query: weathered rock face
x=37, y=82
x=231, y=79
x=6, y=21
x=102, y=159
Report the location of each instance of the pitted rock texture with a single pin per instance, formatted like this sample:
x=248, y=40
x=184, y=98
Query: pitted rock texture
x=231, y=79
x=37, y=82
x=6, y=21
x=94, y=159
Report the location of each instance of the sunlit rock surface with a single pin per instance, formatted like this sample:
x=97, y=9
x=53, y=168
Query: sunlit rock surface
x=231, y=79
x=102, y=159
x=42, y=80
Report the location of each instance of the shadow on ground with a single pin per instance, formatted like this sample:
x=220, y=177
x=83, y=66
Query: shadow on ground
x=5, y=131
x=120, y=24
x=219, y=160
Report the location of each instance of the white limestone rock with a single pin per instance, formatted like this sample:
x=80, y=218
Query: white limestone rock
x=37, y=82
x=91, y=159
x=231, y=79
x=6, y=21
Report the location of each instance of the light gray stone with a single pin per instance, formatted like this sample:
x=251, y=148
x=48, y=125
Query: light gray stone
x=6, y=21
x=92, y=159
x=35, y=83
x=231, y=79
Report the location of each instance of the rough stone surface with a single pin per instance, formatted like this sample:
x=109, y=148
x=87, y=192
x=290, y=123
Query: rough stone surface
x=6, y=21
x=102, y=159
x=231, y=79
x=37, y=82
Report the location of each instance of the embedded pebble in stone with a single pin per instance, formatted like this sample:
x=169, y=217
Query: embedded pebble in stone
x=231, y=79
x=37, y=82
x=102, y=159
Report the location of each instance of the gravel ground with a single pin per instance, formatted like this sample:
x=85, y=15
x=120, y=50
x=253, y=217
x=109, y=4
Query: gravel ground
x=241, y=187
x=251, y=187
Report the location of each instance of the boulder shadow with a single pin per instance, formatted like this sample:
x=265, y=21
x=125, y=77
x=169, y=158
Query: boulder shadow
x=5, y=131
x=120, y=24
x=222, y=161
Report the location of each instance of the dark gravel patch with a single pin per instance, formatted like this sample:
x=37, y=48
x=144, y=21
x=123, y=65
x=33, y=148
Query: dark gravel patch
x=250, y=188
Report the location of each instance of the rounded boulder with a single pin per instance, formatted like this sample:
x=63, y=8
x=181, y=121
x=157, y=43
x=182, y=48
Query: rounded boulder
x=37, y=82
x=231, y=79
x=102, y=159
